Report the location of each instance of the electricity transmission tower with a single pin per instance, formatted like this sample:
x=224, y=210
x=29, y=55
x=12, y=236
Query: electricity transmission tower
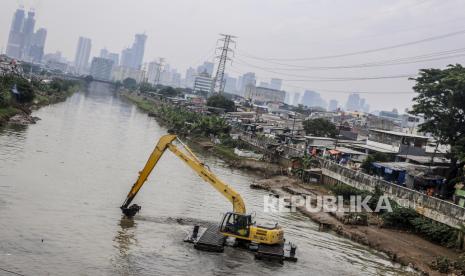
x=219, y=81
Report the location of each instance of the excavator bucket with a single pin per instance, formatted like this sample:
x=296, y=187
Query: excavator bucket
x=131, y=211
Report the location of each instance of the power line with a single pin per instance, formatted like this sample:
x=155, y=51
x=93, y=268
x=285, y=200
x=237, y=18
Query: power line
x=368, y=50
x=339, y=91
x=12, y=272
x=441, y=55
x=322, y=78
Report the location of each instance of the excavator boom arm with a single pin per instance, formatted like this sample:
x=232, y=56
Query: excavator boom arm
x=192, y=161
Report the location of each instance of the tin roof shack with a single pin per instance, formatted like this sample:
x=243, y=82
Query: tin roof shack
x=418, y=177
x=395, y=143
x=343, y=155
x=241, y=117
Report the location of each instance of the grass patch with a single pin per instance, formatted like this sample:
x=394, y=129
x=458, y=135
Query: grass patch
x=225, y=152
x=141, y=103
x=7, y=112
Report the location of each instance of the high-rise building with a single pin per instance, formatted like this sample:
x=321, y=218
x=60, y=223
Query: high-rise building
x=114, y=57
x=230, y=85
x=247, y=80
x=264, y=94
x=138, y=50
x=28, y=34
x=15, y=38
x=296, y=100
x=333, y=105
x=81, y=59
x=356, y=103
x=36, y=51
x=101, y=68
x=202, y=83
x=175, y=79
x=313, y=99
x=133, y=57
x=126, y=57
x=153, y=72
x=190, y=76
x=276, y=83
x=104, y=53
x=206, y=67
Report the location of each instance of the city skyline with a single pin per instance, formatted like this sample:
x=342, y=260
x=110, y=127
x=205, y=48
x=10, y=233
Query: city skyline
x=284, y=38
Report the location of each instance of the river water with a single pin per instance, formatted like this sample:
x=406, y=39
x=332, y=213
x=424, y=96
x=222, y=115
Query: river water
x=63, y=179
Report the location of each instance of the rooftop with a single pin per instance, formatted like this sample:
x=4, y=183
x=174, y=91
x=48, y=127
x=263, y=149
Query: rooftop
x=398, y=133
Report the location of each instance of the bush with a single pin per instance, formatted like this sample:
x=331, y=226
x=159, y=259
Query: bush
x=221, y=101
x=435, y=232
x=400, y=218
x=25, y=89
x=409, y=219
x=320, y=127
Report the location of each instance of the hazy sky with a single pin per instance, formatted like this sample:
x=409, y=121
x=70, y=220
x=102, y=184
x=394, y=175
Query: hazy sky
x=185, y=32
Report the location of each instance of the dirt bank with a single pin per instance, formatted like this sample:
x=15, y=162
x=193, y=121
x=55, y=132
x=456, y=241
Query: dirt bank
x=21, y=113
x=402, y=247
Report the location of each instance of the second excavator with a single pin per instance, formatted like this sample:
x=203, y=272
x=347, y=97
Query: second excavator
x=266, y=242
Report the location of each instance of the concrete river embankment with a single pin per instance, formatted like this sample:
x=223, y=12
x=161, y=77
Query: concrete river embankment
x=62, y=180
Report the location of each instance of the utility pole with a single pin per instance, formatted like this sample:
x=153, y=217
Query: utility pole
x=159, y=67
x=218, y=81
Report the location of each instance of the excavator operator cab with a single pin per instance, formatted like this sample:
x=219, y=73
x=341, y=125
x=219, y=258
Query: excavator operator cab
x=236, y=224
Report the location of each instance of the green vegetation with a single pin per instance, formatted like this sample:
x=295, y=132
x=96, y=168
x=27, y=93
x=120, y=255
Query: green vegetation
x=130, y=83
x=320, y=127
x=441, y=100
x=184, y=121
x=408, y=219
x=221, y=101
x=30, y=91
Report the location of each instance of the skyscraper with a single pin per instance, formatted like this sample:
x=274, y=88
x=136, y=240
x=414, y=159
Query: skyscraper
x=206, y=67
x=138, y=49
x=81, y=59
x=247, y=79
x=28, y=34
x=230, y=85
x=114, y=57
x=104, y=53
x=36, y=51
x=312, y=99
x=296, y=100
x=101, y=68
x=190, y=75
x=332, y=105
x=15, y=41
x=276, y=83
x=133, y=57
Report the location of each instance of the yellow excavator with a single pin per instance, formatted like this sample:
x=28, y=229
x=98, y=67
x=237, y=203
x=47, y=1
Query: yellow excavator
x=267, y=242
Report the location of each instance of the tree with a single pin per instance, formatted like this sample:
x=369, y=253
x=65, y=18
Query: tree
x=129, y=83
x=221, y=101
x=168, y=91
x=25, y=89
x=441, y=100
x=320, y=127
x=146, y=87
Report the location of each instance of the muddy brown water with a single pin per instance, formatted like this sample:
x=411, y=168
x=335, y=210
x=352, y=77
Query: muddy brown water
x=63, y=179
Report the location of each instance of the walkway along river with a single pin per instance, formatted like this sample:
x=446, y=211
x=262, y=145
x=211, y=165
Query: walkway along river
x=63, y=179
